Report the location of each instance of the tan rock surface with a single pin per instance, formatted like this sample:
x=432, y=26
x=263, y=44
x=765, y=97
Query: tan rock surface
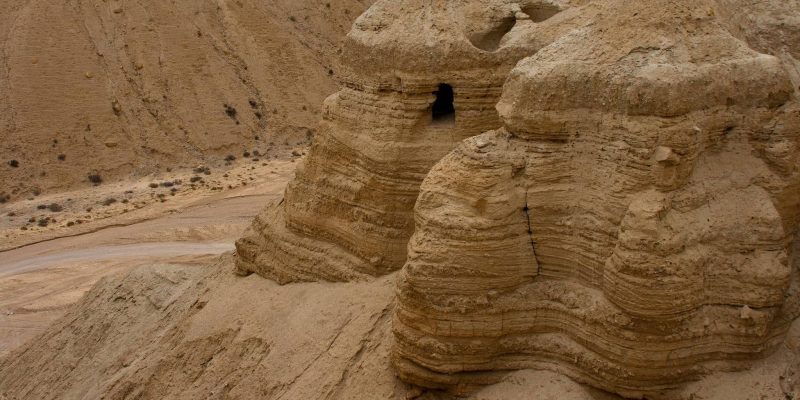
x=349, y=213
x=626, y=217
x=631, y=225
x=175, y=332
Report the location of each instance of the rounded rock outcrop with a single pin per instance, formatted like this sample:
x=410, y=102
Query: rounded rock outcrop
x=414, y=87
x=631, y=224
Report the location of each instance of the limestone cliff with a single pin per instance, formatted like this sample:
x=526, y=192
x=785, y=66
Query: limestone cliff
x=414, y=86
x=607, y=190
x=628, y=219
x=630, y=225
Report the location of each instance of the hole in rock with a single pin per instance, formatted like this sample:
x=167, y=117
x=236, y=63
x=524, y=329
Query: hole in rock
x=443, y=109
x=541, y=11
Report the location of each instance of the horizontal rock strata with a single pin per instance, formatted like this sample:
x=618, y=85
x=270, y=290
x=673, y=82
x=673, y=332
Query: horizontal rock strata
x=631, y=223
x=348, y=214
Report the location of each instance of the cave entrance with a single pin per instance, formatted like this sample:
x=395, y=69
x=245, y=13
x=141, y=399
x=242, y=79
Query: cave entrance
x=443, y=109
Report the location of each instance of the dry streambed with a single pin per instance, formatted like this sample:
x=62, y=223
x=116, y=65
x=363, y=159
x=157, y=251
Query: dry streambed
x=43, y=270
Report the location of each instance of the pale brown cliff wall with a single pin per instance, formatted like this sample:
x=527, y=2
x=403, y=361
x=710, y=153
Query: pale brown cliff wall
x=630, y=226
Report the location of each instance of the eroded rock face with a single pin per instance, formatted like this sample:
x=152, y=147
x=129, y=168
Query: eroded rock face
x=628, y=221
x=631, y=223
x=416, y=84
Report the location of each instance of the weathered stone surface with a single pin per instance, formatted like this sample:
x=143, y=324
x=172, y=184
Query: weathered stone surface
x=631, y=223
x=348, y=214
x=627, y=219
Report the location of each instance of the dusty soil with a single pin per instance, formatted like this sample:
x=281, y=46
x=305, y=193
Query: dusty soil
x=123, y=89
x=123, y=203
x=44, y=270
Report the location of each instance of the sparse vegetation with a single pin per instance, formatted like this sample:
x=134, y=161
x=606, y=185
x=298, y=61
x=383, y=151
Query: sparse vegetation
x=55, y=207
x=109, y=201
x=95, y=179
x=13, y=164
x=153, y=185
x=62, y=157
x=230, y=111
x=202, y=170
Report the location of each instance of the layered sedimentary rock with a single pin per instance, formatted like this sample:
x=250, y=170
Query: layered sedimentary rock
x=630, y=225
x=418, y=78
x=627, y=219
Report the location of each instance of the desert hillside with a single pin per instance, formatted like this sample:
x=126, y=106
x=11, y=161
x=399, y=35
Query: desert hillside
x=115, y=89
x=504, y=199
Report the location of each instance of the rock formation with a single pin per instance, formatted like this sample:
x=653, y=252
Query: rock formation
x=414, y=86
x=608, y=190
x=629, y=223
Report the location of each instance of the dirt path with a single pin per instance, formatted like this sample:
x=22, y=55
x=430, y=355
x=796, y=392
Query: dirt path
x=117, y=252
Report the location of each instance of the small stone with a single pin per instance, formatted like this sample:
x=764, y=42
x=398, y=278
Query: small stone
x=665, y=155
x=116, y=106
x=746, y=313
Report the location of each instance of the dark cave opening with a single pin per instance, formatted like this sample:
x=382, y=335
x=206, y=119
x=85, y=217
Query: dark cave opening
x=443, y=109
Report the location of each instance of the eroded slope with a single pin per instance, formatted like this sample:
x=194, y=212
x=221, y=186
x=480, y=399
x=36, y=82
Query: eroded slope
x=115, y=88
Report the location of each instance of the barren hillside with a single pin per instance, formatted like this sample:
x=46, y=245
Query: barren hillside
x=121, y=88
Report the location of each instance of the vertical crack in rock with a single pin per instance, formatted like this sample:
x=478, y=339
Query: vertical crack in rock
x=526, y=210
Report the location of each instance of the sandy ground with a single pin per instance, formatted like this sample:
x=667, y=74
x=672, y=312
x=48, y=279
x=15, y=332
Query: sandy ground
x=44, y=270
